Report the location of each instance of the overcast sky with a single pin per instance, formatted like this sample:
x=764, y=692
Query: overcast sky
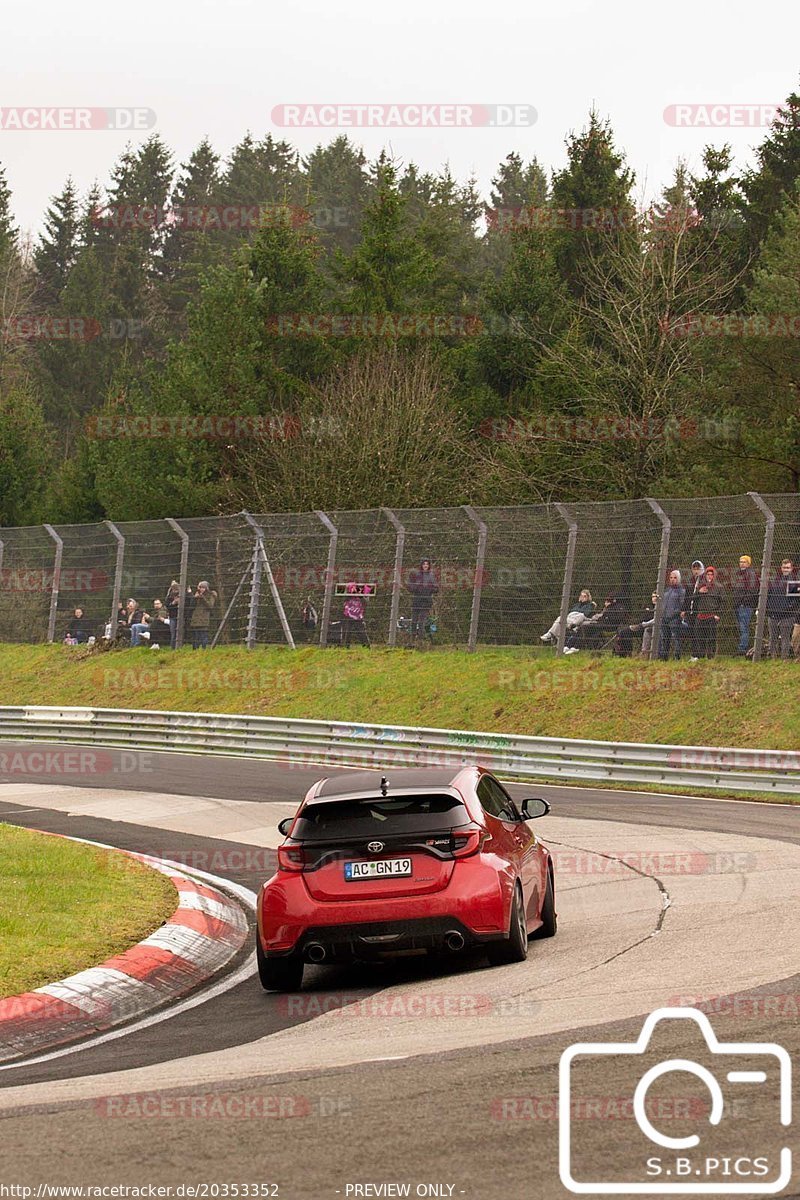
x=219, y=68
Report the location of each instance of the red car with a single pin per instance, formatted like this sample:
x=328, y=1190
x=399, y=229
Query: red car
x=422, y=859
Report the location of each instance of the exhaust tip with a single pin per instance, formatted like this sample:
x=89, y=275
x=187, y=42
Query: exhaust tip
x=454, y=940
x=315, y=952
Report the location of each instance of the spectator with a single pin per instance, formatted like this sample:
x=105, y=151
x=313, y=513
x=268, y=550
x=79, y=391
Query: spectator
x=200, y=620
x=690, y=603
x=79, y=629
x=140, y=627
x=591, y=632
x=423, y=587
x=131, y=615
x=645, y=625
x=353, y=617
x=672, y=617
x=783, y=607
x=580, y=611
x=160, y=631
x=745, y=600
x=707, y=609
x=172, y=605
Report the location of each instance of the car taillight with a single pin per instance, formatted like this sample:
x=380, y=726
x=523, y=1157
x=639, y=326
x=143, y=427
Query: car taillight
x=291, y=858
x=468, y=841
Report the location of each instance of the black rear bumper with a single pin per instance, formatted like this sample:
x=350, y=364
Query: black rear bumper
x=345, y=943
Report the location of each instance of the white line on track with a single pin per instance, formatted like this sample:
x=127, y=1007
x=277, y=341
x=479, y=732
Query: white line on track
x=243, y=972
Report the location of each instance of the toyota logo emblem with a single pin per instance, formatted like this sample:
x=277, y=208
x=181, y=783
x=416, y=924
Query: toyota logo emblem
x=374, y=847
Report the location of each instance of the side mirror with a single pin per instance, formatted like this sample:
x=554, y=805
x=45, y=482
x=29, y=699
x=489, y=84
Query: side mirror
x=285, y=825
x=534, y=808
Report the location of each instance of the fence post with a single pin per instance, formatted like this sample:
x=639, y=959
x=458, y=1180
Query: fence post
x=397, y=582
x=51, y=622
x=260, y=560
x=477, y=587
x=766, y=566
x=326, y=603
x=115, y=596
x=663, y=559
x=183, y=579
x=569, y=563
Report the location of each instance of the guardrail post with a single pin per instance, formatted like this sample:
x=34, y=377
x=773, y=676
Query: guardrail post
x=569, y=564
x=326, y=603
x=51, y=622
x=397, y=581
x=663, y=559
x=477, y=587
x=183, y=579
x=117, y=591
x=260, y=559
x=766, y=566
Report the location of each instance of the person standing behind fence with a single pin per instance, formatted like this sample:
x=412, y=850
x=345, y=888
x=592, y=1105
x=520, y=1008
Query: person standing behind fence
x=172, y=605
x=672, y=616
x=690, y=604
x=783, y=607
x=353, y=617
x=423, y=587
x=745, y=600
x=645, y=626
x=709, y=602
x=200, y=620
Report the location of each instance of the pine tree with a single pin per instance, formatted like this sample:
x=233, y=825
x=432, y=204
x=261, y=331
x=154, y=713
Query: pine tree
x=591, y=198
x=775, y=177
x=759, y=372
x=8, y=231
x=387, y=272
x=516, y=186
x=92, y=217
x=337, y=189
x=57, y=250
x=194, y=238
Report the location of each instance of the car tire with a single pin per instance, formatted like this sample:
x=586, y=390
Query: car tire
x=514, y=948
x=549, y=925
x=279, y=974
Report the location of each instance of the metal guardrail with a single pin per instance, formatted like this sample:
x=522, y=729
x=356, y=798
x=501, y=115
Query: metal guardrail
x=343, y=744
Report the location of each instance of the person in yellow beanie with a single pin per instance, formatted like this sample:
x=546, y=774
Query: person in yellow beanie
x=745, y=600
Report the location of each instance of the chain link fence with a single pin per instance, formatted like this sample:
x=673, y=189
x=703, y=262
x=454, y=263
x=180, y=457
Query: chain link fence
x=503, y=576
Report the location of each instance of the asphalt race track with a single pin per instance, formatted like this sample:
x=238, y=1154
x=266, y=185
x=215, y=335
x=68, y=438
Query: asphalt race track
x=423, y=1074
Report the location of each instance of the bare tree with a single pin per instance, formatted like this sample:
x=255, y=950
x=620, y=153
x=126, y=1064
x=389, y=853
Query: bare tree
x=628, y=363
x=382, y=430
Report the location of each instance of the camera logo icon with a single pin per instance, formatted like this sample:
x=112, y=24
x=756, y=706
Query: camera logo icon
x=734, y=1077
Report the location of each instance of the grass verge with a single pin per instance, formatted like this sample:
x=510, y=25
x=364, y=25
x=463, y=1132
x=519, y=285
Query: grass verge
x=65, y=906
x=516, y=690
x=526, y=690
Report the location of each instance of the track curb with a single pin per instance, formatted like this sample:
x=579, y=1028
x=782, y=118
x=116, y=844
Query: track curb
x=205, y=932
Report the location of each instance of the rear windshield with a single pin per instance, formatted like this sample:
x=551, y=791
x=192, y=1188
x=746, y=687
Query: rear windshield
x=379, y=816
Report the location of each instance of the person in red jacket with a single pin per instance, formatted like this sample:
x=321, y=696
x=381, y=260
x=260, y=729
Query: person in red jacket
x=706, y=615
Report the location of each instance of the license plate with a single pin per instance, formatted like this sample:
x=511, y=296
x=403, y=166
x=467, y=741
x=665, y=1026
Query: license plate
x=382, y=868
